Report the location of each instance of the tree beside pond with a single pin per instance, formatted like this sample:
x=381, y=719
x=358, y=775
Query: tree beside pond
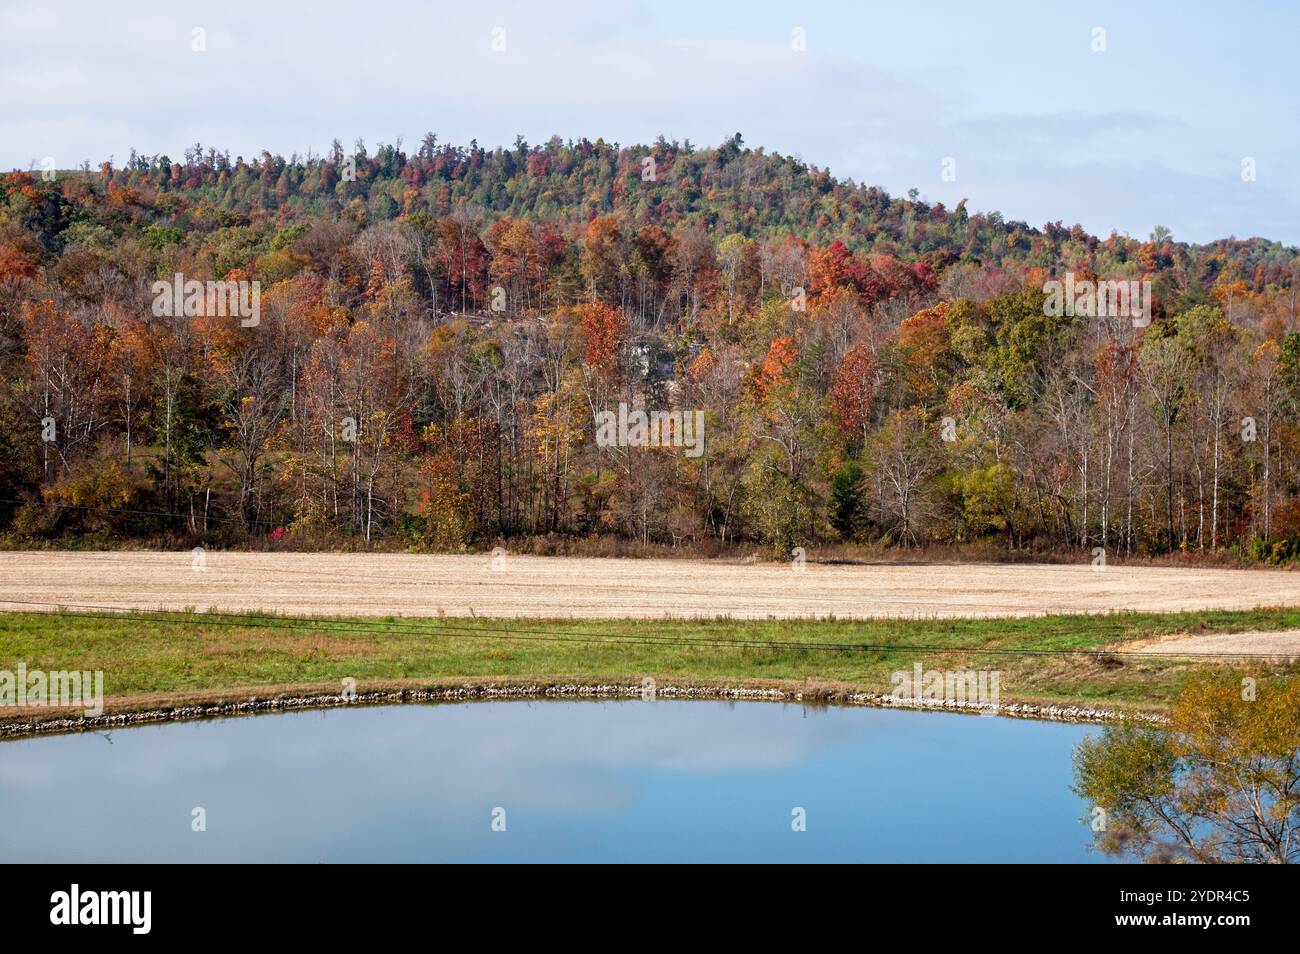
x=1220, y=782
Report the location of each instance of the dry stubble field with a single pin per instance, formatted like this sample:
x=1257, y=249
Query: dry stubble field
x=330, y=584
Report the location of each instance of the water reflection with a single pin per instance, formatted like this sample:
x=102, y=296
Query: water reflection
x=579, y=781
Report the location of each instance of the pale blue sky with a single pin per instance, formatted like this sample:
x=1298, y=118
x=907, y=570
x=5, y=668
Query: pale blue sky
x=1151, y=131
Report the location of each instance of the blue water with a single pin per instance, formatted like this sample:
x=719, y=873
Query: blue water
x=578, y=781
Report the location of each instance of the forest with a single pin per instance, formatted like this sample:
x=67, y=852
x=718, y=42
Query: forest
x=440, y=330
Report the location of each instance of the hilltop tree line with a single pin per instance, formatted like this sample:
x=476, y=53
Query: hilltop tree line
x=439, y=330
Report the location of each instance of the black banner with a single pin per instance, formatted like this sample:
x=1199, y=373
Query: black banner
x=304, y=903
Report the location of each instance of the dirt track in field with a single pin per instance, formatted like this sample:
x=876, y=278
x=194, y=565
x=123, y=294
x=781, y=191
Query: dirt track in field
x=559, y=587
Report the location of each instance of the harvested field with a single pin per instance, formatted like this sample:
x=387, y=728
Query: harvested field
x=1278, y=645
x=570, y=588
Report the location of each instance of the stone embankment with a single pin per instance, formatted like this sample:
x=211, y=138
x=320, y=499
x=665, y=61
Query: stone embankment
x=470, y=692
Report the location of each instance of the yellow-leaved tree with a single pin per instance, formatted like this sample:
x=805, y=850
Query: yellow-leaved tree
x=1220, y=782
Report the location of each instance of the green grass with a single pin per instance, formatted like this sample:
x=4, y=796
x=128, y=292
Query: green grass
x=208, y=654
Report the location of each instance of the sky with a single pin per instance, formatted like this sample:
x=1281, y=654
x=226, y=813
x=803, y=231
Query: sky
x=1018, y=107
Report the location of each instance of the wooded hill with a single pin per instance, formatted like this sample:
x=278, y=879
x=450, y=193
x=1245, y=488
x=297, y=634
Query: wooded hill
x=439, y=330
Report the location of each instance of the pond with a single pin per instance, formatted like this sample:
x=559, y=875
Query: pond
x=655, y=781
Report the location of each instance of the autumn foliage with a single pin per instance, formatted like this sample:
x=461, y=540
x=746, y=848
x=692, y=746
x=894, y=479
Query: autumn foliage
x=439, y=327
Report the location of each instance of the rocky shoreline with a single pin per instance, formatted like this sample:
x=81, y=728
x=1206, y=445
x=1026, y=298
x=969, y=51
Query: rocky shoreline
x=487, y=692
